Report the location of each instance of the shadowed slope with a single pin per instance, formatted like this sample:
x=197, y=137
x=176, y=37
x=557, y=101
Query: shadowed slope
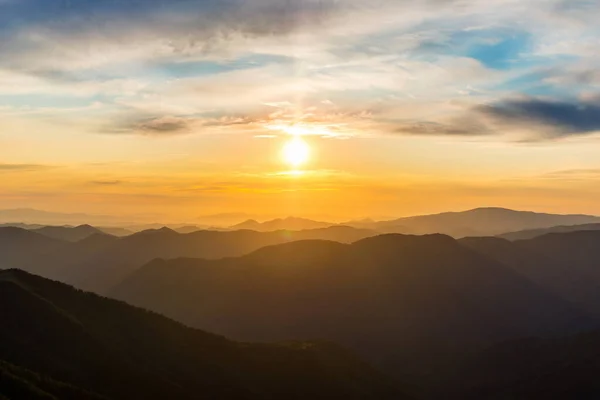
x=123, y=352
x=532, y=368
x=393, y=297
x=566, y=263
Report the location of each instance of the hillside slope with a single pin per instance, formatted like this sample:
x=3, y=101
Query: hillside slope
x=393, y=298
x=120, y=352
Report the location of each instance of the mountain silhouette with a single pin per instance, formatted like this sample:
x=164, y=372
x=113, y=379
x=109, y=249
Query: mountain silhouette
x=289, y=223
x=405, y=302
x=83, y=343
x=19, y=247
x=33, y=216
x=69, y=234
x=565, y=263
x=533, y=233
x=101, y=261
x=477, y=222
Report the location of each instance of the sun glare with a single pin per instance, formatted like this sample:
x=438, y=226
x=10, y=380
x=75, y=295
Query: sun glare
x=296, y=152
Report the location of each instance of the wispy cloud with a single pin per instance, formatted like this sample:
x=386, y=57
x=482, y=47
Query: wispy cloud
x=388, y=66
x=23, y=167
x=107, y=182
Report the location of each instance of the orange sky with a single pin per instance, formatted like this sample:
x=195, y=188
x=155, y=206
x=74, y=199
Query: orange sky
x=124, y=108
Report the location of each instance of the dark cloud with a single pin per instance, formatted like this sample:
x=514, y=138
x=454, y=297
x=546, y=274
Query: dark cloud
x=539, y=119
x=164, y=125
x=559, y=118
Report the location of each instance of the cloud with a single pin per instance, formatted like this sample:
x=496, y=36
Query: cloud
x=23, y=167
x=466, y=128
x=138, y=123
x=211, y=66
x=107, y=182
x=548, y=117
x=163, y=125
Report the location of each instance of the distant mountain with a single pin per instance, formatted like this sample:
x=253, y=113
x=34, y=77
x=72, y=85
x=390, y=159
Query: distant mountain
x=224, y=219
x=98, y=263
x=187, y=229
x=88, y=347
x=565, y=263
x=84, y=229
x=533, y=233
x=290, y=223
x=116, y=231
x=478, y=222
x=69, y=234
x=20, y=247
x=21, y=225
x=406, y=302
x=32, y=216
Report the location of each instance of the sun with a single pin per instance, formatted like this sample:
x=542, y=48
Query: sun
x=296, y=152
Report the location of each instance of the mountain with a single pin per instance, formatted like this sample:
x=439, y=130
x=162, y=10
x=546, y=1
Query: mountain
x=116, y=231
x=101, y=261
x=565, y=263
x=478, y=222
x=69, y=234
x=32, y=216
x=533, y=233
x=187, y=229
x=20, y=247
x=21, y=383
x=224, y=219
x=83, y=343
x=290, y=223
x=531, y=368
x=405, y=302
x=105, y=269
x=21, y=225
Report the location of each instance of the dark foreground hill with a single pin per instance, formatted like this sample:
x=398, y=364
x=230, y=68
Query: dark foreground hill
x=60, y=343
x=406, y=302
x=531, y=368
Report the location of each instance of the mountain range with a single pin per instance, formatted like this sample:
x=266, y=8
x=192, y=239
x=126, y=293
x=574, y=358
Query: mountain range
x=477, y=222
x=407, y=303
x=57, y=342
x=532, y=233
x=289, y=223
x=503, y=316
x=100, y=261
x=565, y=263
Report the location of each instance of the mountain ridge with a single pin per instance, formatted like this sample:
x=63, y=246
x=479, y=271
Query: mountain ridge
x=371, y=296
x=122, y=352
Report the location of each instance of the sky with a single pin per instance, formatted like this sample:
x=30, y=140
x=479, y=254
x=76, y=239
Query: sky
x=176, y=109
